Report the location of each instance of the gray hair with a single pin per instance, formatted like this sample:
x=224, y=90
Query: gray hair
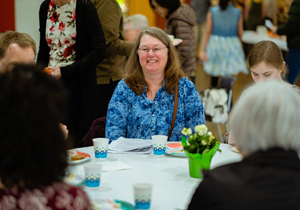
x=267, y=116
x=137, y=21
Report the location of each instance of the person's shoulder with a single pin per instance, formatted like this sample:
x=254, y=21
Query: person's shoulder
x=295, y=87
x=184, y=81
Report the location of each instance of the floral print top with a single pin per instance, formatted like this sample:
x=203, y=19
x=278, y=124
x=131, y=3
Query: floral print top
x=60, y=196
x=61, y=33
x=135, y=116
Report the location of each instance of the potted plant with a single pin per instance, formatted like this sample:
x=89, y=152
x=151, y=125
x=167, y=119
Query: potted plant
x=199, y=149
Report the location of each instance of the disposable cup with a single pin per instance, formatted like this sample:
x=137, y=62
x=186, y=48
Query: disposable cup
x=159, y=145
x=171, y=37
x=92, y=173
x=142, y=195
x=100, y=148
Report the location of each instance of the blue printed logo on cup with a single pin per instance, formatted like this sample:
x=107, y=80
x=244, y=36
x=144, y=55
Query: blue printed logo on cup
x=159, y=149
x=92, y=180
x=142, y=202
x=100, y=152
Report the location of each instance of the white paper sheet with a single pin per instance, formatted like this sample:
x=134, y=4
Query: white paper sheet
x=124, y=145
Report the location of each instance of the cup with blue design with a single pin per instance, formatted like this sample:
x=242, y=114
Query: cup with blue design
x=159, y=145
x=92, y=174
x=100, y=148
x=142, y=195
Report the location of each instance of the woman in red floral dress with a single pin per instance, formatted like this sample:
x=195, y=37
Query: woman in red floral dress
x=72, y=43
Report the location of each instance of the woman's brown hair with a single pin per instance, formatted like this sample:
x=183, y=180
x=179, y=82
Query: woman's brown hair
x=134, y=76
x=268, y=52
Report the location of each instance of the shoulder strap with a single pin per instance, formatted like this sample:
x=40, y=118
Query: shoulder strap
x=175, y=110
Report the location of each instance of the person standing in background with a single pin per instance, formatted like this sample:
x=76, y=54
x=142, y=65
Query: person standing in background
x=71, y=45
x=292, y=30
x=201, y=8
x=180, y=23
x=271, y=10
x=110, y=70
x=254, y=13
x=134, y=25
x=221, y=49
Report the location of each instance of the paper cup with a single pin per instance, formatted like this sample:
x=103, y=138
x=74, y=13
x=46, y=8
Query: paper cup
x=171, y=37
x=159, y=145
x=142, y=195
x=92, y=173
x=100, y=148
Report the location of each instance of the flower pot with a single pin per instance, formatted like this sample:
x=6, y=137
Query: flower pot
x=197, y=162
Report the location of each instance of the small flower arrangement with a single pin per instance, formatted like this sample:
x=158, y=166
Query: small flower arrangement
x=201, y=141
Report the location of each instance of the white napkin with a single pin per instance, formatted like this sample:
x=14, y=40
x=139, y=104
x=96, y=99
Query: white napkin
x=114, y=166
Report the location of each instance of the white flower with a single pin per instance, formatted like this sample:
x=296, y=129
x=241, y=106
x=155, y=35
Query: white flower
x=209, y=134
x=184, y=131
x=189, y=131
x=201, y=129
x=203, y=142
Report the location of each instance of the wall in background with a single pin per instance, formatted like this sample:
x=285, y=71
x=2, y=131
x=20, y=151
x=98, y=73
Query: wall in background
x=7, y=15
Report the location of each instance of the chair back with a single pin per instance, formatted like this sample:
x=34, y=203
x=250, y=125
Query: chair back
x=227, y=83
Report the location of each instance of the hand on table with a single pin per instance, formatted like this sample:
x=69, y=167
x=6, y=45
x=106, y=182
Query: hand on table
x=55, y=71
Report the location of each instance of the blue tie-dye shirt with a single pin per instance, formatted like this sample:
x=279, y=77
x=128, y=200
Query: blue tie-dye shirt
x=135, y=116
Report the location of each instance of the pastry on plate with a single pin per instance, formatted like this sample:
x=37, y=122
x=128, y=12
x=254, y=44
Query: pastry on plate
x=77, y=157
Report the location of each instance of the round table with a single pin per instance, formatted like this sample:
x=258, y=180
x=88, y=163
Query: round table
x=172, y=185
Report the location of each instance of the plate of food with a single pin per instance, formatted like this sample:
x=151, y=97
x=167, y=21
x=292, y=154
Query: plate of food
x=175, y=149
x=111, y=204
x=76, y=157
x=235, y=149
x=176, y=41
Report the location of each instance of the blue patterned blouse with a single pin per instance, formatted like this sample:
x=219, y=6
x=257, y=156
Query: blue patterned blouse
x=134, y=116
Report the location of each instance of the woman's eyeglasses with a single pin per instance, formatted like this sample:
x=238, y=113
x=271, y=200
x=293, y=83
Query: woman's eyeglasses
x=155, y=50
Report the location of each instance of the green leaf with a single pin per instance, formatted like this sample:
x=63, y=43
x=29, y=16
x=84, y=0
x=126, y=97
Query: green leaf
x=205, y=151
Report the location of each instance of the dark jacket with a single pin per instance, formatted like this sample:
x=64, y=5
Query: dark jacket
x=267, y=180
x=292, y=28
x=181, y=24
x=79, y=77
x=118, y=49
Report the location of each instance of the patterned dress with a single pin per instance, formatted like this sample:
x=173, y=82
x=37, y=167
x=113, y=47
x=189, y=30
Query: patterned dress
x=58, y=196
x=224, y=49
x=135, y=116
x=61, y=33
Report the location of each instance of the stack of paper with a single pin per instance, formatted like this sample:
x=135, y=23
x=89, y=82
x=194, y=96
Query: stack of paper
x=133, y=146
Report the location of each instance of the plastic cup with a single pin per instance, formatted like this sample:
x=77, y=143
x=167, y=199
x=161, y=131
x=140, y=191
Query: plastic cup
x=92, y=173
x=100, y=148
x=142, y=195
x=159, y=145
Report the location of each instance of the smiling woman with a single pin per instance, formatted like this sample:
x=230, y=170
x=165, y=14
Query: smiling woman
x=143, y=103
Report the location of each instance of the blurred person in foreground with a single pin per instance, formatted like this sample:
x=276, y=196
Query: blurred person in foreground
x=72, y=43
x=33, y=156
x=143, y=103
x=16, y=48
x=180, y=23
x=134, y=25
x=110, y=70
x=292, y=32
x=267, y=135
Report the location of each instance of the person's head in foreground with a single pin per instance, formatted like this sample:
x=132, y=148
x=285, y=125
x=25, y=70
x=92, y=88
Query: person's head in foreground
x=32, y=147
x=265, y=61
x=16, y=48
x=153, y=56
x=164, y=7
x=134, y=25
x=271, y=119
x=265, y=126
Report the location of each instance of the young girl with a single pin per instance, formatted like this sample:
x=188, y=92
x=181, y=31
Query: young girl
x=266, y=62
x=221, y=49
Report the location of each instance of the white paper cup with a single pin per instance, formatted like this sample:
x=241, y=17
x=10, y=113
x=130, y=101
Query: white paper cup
x=159, y=145
x=92, y=174
x=100, y=148
x=142, y=195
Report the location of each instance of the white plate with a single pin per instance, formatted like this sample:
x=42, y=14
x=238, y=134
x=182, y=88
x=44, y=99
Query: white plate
x=175, y=149
x=176, y=41
x=74, y=152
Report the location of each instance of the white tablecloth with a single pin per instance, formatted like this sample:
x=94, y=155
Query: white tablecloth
x=172, y=185
x=251, y=37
